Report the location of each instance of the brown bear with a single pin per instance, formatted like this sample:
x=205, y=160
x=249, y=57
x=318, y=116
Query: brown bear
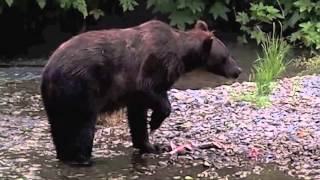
x=102, y=71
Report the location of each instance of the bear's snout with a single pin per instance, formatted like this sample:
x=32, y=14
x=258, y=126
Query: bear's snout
x=236, y=73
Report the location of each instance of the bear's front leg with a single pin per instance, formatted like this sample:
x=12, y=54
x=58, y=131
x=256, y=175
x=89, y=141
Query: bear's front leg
x=160, y=112
x=137, y=117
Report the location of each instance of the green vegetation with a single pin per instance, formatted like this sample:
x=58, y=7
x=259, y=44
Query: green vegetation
x=266, y=70
x=272, y=63
x=300, y=18
x=80, y=5
x=263, y=101
x=259, y=101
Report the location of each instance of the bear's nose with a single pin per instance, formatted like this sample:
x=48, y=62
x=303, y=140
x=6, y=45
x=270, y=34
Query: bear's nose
x=236, y=73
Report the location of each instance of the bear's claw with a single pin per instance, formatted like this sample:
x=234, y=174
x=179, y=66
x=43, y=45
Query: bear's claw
x=150, y=148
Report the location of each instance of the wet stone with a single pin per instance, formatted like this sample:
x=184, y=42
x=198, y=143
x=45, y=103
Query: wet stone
x=163, y=163
x=134, y=177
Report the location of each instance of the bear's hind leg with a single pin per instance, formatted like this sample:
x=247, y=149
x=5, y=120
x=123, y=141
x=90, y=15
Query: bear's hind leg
x=73, y=134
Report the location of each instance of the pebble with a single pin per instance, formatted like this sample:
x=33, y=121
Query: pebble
x=134, y=177
x=206, y=164
x=163, y=163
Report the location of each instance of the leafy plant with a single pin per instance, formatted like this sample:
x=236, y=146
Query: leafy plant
x=184, y=12
x=41, y=3
x=128, y=5
x=97, y=13
x=219, y=9
x=264, y=13
x=300, y=19
x=80, y=5
x=309, y=34
x=295, y=15
x=181, y=12
x=9, y=2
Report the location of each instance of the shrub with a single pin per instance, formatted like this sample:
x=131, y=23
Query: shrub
x=300, y=18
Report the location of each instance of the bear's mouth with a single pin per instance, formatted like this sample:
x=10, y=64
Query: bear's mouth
x=217, y=71
x=230, y=75
x=234, y=75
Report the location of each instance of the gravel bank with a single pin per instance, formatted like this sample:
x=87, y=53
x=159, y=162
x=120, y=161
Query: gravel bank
x=236, y=133
x=286, y=133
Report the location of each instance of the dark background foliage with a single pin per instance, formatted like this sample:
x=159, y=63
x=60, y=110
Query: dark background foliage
x=34, y=28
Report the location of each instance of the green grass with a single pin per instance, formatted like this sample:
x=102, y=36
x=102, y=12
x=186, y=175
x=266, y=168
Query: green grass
x=271, y=64
x=252, y=97
x=267, y=69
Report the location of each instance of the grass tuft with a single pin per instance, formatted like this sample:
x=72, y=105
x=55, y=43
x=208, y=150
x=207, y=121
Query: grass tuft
x=266, y=70
x=271, y=64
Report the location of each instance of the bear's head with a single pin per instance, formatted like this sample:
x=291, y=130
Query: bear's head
x=217, y=57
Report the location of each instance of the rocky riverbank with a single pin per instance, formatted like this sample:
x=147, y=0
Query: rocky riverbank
x=287, y=133
x=208, y=130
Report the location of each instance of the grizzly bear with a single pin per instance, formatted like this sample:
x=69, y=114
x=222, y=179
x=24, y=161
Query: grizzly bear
x=102, y=71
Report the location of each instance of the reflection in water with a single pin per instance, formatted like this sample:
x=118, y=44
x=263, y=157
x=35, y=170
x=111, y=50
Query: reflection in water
x=137, y=161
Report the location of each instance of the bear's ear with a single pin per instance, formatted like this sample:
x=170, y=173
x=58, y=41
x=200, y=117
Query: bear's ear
x=201, y=25
x=207, y=43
